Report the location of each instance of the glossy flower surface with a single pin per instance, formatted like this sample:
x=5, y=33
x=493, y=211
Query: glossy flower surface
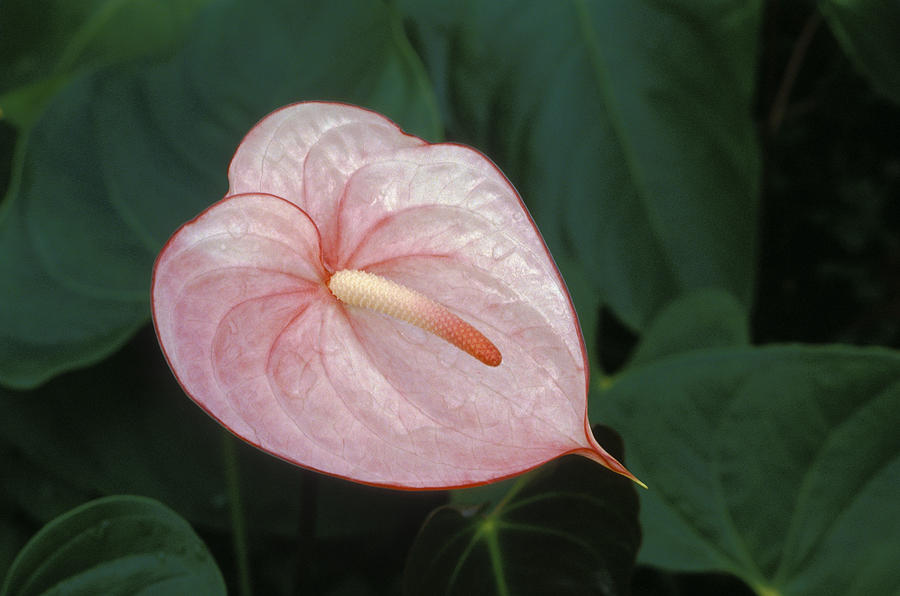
x=253, y=332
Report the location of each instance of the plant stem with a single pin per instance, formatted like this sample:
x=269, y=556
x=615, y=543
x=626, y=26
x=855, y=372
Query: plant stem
x=236, y=512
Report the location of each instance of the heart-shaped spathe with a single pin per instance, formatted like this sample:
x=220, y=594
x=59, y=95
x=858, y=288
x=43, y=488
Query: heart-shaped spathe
x=245, y=316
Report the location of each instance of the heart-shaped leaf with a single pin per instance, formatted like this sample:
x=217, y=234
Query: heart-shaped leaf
x=270, y=307
x=779, y=465
x=115, y=545
x=569, y=529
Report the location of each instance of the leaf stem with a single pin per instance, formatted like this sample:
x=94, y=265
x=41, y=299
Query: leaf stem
x=236, y=512
x=493, y=546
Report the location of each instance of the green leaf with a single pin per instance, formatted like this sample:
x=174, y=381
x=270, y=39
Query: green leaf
x=131, y=152
x=708, y=318
x=626, y=126
x=868, y=31
x=45, y=42
x=47, y=326
x=115, y=545
x=779, y=465
x=568, y=528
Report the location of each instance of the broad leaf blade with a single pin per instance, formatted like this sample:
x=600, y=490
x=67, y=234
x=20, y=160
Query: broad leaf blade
x=569, y=528
x=767, y=463
x=47, y=326
x=115, y=545
x=626, y=126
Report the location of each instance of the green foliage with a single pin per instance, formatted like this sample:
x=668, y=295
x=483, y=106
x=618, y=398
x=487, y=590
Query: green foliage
x=569, y=528
x=625, y=125
x=776, y=464
x=628, y=128
x=115, y=545
x=707, y=318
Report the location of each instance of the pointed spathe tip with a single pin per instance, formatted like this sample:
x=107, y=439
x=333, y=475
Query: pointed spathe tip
x=599, y=455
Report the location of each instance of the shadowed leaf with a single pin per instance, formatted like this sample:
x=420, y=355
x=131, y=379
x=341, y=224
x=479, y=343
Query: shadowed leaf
x=117, y=546
x=567, y=529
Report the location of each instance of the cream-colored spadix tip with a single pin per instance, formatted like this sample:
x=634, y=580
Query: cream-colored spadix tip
x=371, y=291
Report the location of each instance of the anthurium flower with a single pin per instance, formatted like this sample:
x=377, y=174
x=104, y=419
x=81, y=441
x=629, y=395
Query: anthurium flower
x=375, y=307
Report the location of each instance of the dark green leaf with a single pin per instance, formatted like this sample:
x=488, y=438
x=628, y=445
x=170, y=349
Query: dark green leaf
x=486, y=494
x=779, y=465
x=868, y=30
x=115, y=545
x=568, y=528
x=707, y=318
x=122, y=157
x=626, y=125
x=47, y=326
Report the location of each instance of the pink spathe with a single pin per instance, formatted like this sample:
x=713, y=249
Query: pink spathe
x=253, y=333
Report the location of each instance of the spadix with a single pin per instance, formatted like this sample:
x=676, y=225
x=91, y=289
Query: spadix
x=328, y=309
x=359, y=288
